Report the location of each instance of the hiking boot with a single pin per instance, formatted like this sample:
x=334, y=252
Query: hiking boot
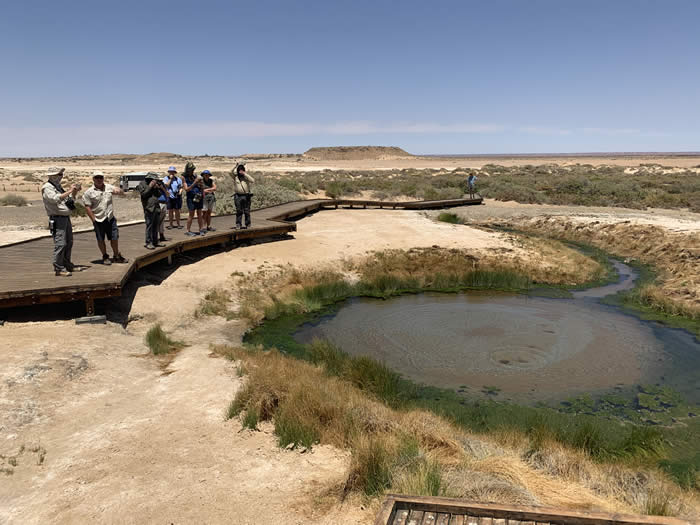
x=210, y=229
x=203, y=231
x=119, y=258
x=191, y=234
x=149, y=246
x=162, y=238
x=106, y=260
x=63, y=273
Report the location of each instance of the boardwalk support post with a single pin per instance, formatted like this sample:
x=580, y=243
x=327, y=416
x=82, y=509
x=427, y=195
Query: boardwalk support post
x=170, y=258
x=89, y=306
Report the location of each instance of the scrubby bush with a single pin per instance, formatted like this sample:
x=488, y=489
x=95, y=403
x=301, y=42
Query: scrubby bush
x=13, y=200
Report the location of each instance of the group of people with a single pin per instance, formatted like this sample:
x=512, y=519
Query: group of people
x=160, y=196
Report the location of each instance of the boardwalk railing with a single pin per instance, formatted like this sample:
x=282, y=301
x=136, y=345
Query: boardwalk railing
x=417, y=510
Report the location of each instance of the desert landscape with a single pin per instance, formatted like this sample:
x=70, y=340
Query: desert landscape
x=98, y=426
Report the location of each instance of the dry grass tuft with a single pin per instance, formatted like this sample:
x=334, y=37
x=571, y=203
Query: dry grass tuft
x=418, y=452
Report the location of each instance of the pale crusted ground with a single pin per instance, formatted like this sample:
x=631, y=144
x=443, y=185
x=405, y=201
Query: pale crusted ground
x=124, y=441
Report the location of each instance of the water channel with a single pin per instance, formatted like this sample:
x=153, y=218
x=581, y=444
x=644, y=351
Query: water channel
x=531, y=348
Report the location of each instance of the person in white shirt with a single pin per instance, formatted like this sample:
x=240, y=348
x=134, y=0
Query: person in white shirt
x=98, y=205
x=58, y=204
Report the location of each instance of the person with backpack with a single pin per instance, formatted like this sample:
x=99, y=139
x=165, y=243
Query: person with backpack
x=194, y=189
x=173, y=185
x=209, y=199
x=242, y=195
x=150, y=190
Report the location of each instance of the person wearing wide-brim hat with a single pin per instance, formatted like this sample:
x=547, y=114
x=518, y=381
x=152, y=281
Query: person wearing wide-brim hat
x=58, y=204
x=150, y=190
x=98, y=206
x=241, y=194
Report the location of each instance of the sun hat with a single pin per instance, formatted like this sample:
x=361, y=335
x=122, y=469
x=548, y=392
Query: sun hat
x=172, y=169
x=98, y=174
x=54, y=171
x=206, y=172
x=151, y=176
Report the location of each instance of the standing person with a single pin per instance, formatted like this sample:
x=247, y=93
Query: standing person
x=194, y=189
x=163, y=209
x=173, y=184
x=209, y=199
x=242, y=195
x=58, y=204
x=150, y=189
x=98, y=206
x=471, y=183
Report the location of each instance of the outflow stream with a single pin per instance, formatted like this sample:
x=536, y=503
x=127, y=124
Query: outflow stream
x=531, y=348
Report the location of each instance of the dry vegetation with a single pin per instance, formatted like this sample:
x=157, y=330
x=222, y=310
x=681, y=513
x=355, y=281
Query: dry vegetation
x=273, y=292
x=675, y=256
x=418, y=452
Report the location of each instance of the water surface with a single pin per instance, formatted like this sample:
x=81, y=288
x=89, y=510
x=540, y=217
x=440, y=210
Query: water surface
x=532, y=348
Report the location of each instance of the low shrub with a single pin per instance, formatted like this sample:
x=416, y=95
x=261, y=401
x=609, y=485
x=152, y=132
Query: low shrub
x=13, y=200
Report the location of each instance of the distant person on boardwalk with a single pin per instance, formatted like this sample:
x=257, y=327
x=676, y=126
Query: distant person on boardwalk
x=242, y=195
x=173, y=184
x=195, y=199
x=471, y=185
x=150, y=190
x=98, y=206
x=209, y=199
x=58, y=204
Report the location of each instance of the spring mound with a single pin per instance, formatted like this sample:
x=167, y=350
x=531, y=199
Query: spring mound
x=356, y=153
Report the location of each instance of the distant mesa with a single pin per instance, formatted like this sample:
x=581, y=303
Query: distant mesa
x=356, y=153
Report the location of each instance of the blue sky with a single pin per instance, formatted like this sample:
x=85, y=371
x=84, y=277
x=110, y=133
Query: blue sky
x=226, y=77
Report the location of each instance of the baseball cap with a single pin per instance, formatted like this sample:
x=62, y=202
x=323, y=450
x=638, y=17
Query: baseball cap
x=97, y=174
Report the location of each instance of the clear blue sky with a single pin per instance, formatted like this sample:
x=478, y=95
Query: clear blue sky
x=225, y=77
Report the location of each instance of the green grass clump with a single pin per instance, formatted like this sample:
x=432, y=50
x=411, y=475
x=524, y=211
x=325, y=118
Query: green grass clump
x=451, y=218
x=13, y=200
x=159, y=342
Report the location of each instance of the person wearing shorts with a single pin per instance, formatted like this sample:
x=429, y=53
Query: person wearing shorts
x=173, y=184
x=98, y=206
x=195, y=199
x=209, y=199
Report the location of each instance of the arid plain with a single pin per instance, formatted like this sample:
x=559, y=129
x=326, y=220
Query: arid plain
x=95, y=428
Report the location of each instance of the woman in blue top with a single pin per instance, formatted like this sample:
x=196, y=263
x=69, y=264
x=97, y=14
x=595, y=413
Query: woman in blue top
x=173, y=184
x=195, y=198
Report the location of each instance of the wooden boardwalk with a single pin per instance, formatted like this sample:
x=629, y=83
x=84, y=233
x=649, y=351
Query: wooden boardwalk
x=28, y=277
x=416, y=510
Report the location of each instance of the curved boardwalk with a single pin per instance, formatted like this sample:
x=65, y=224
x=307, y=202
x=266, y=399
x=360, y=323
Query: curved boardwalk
x=28, y=276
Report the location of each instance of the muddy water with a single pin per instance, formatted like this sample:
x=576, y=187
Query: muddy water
x=531, y=348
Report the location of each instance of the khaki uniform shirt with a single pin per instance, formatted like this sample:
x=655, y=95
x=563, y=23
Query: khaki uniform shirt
x=100, y=201
x=53, y=202
x=241, y=185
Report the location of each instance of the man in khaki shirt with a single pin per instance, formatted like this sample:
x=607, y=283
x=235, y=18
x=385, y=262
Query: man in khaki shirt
x=242, y=195
x=58, y=204
x=98, y=205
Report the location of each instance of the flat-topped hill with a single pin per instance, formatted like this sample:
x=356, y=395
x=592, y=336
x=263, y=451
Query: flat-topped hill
x=356, y=153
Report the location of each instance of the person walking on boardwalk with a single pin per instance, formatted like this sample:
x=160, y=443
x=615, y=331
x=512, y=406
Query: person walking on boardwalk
x=209, y=199
x=150, y=189
x=471, y=185
x=242, y=195
x=173, y=184
x=58, y=204
x=98, y=206
x=194, y=189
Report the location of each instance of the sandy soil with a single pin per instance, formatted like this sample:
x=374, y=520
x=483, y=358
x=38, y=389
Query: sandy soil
x=97, y=430
x=92, y=429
